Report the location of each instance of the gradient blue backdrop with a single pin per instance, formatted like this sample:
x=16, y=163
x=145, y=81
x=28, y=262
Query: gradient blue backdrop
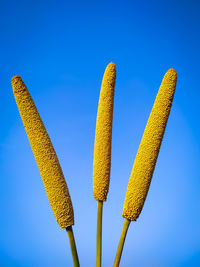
x=61, y=49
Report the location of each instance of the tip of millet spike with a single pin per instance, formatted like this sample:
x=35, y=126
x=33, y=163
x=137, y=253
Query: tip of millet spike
x=17, y=83
x=15, y=80
x=171, y=75
x=15, y=77
x=171, y=72
x=111, y=65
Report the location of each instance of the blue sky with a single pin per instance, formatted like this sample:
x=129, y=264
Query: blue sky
x=61, y=49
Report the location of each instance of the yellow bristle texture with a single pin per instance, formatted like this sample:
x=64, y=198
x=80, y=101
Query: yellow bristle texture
x=45, y=155
x=103, y=135
x=147, y=154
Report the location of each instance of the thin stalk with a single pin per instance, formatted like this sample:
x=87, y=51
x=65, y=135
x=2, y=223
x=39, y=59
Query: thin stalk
x=121, y=242
x=99, y=232
x=73, y=246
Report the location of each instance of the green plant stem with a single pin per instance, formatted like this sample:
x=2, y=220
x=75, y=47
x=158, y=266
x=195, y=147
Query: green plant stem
x=121, y=242
x=73, y=246
x=99, y=233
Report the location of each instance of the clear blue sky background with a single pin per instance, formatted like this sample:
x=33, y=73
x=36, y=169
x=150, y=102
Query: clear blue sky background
x=61, y=49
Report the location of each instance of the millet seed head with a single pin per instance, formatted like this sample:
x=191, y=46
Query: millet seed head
x=148, y=151
x=45, y=155
x=103, y=135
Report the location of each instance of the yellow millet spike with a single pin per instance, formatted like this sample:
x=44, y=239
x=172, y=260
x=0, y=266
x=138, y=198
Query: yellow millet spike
x=45, y=155
x=147, y=154
x=103, y=135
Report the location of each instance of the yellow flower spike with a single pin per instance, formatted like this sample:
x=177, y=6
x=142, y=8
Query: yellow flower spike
x=45, y=155
x=103, y=135
x=146, y=157
x=102, y=149
x=47, y=161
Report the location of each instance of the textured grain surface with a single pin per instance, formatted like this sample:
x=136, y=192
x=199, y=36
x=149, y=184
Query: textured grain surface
x=47, y=161
x=147, y=154
x=103, y=135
